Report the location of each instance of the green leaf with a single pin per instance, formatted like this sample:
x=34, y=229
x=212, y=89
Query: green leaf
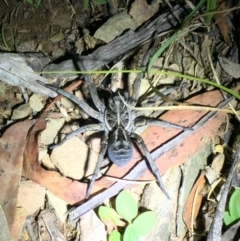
x=234, y=204
x=85, y=4
x=109, y=216
x=34, y=3
x=227, y=218
x=144, y=223
x=126, y=206
x=114, y=236
x=130, y=234
x=234, y=208
x=211, y=8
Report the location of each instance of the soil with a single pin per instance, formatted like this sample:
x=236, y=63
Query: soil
x=54, y=28
x=29, y=29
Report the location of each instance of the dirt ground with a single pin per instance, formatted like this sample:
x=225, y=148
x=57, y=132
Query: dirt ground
x=57, y=180
x=32, y=28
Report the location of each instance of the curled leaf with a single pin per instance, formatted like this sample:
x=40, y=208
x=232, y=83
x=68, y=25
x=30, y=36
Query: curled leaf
x=110, y=218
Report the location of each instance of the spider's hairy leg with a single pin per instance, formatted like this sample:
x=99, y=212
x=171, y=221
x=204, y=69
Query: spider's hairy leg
x=138, y=139
x=104, y=145
x=93, y=127
x=155, y=122
x=82, y=104
x=96, y=100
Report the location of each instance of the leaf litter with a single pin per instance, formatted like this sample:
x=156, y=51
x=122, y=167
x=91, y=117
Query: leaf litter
x=64, y=185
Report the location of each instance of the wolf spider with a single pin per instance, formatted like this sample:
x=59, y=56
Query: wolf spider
x=118, y=124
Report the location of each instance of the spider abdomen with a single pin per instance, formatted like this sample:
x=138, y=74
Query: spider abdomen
x=120, y=148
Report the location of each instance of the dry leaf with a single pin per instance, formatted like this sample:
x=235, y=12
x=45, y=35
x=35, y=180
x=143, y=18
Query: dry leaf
x=222, y=21
x=11, y=157
x=64, y=188
x=213, y=172
x=194, y=201
x=231, y=68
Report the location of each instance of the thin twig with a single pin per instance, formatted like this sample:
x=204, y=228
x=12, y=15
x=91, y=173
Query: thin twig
x=216, y=226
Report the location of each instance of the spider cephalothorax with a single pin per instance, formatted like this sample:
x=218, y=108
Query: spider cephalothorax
x=117, y=122
x=117, y=113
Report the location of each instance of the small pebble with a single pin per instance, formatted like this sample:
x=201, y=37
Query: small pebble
x=53, y=127
x=25, y=15
x=35, y=103
x=21, y=111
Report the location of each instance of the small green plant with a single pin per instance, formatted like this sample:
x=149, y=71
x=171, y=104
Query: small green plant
x=8, y=45
x=127, y=209
x=211, y=8
x=34, y=3
x=233, y=212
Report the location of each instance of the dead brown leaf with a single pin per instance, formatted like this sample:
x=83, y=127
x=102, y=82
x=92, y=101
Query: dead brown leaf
x=222, y=21
x=62, y=187
x=31, y=197
x=11, y=157
x=194, y=201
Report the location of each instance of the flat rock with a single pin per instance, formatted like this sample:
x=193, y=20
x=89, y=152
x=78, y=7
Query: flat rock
x=60, y=207
x=154, y=199
x=21, y=111
x=35, y=103
x=53, y=127
x=114, y=27
x=91, y=227
x=74, y=158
